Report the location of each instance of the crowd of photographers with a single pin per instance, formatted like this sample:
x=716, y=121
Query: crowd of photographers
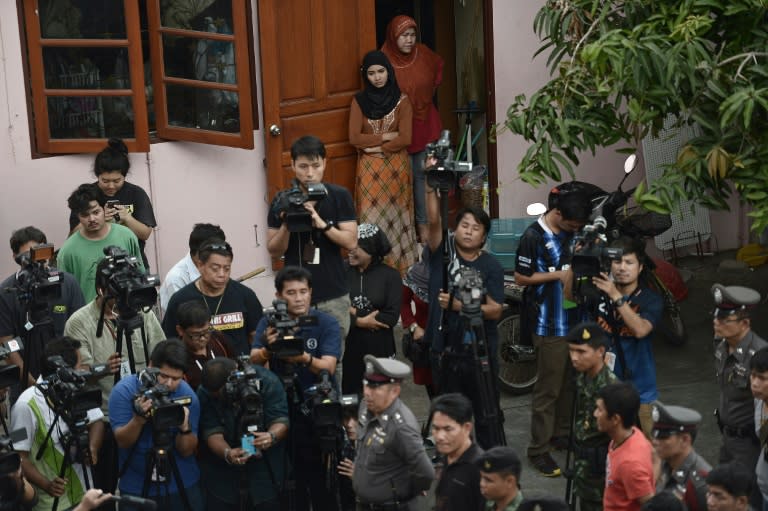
x=225, y=404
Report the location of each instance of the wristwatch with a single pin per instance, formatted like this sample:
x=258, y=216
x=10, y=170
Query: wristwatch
x=328, y=226
x=618, y=302
x=413, y=327
x=273, y=436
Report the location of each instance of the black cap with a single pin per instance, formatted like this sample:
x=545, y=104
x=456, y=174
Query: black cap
x=499, y=459
x=670, y=418
x=588, y=333
x=731, y=299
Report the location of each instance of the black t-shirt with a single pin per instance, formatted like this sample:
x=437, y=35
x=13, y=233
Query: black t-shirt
x=235, y=313
x=13, y=319
x=329, y=280
x=136, y=200
x=458, y=488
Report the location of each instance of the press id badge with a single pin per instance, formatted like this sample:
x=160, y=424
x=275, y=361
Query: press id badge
x=610, y=360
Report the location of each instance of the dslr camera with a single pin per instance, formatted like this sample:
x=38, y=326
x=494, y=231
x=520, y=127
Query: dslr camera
x=291, y=202
x=288, y=343
x=443, y=173
x=243, y=391
x=165, y=413
x=125, y=281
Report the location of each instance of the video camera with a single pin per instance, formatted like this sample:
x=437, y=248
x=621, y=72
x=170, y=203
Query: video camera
x=68, y=394
x=326, y=406
x=291, y=202
x=470, y=289
x=9, y=374
x=288, y=344
x=591, y=255
x=243, y=391
x=10, y=461
x=123, y=279
x=37, y=284
x=165, y=413
x=443, y=173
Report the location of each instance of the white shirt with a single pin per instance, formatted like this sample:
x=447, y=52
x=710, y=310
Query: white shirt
x=182, y=273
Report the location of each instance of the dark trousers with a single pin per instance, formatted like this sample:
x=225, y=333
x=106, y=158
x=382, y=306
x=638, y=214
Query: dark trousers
x=174, y=501
x=308, y=470
x=105, y=472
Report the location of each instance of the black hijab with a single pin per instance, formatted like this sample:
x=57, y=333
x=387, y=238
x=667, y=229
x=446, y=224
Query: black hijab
x=374, y=102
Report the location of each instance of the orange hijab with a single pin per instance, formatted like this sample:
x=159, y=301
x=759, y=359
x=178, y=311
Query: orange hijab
x=419, y=72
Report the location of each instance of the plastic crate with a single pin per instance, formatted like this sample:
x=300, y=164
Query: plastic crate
x=506, y=259
x=506, y=233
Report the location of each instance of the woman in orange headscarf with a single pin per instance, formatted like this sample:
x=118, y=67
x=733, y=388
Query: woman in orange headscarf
x=419, y=71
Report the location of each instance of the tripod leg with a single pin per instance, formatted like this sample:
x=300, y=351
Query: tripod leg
x=179, y=482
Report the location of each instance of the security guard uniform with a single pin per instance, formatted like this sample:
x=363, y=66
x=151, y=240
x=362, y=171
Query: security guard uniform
x=391, y=467
x=735, y=413
x=688, y=481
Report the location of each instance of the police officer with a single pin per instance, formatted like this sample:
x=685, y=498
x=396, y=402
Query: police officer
x=683, y=471
x=735, y=413
x=587, y=345
x=391, y=467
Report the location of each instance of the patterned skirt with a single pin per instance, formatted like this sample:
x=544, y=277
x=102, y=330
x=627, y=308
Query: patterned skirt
x=384, y=196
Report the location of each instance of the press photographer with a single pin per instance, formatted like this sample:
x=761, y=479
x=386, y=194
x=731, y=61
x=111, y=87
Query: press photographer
x=334, y=227
x=449, y=253
x=317, y=348
x=34, y=289
x=243, y=425
x=156, y=434
x=60, y=417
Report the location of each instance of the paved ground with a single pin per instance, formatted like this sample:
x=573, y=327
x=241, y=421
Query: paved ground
x=685, y=374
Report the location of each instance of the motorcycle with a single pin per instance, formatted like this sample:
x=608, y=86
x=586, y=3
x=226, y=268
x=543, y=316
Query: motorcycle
x=611, y=218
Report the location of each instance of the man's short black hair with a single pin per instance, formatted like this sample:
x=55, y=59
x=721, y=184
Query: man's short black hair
x=192, y=313
x=309, y=146
x=216, y=372
x=575, y=206
x=759, y=361
x=733, y=477
x=478, y=213
x=454, y=405
x=80, y=200
x=65, y=347
x=292, y=273
x=113, y=158
x=24, y=235
x=202, y=232
x=172, y=353
x=664, y=501
x=630, y=245
x=213, y=246
x=621, y=399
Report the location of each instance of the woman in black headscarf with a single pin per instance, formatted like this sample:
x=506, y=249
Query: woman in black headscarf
x=380, y=121
x=375, y=292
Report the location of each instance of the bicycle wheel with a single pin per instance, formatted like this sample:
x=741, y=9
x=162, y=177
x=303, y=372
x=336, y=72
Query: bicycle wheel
x=517, y=363
x=672, y=327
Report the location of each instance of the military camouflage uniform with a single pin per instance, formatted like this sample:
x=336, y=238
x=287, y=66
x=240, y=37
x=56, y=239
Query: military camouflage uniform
x=590, y=445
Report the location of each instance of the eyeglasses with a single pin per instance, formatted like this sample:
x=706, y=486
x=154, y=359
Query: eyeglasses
x=196, y=336
x=226, y=247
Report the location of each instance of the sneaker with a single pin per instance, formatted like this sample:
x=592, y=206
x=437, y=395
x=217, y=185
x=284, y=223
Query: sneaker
x=545, y=465
x=559, y=443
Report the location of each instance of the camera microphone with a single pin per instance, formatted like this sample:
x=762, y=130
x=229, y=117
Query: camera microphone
x=147, y=504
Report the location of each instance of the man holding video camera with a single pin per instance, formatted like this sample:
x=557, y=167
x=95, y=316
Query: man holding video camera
x=457, y=364
x=33, y=413
x=330, y=226
x=243, y=422
x=14, y=320
x=319, y=350
x=156, y=434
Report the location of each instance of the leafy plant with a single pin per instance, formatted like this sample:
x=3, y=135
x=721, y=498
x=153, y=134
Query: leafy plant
x=619, y=69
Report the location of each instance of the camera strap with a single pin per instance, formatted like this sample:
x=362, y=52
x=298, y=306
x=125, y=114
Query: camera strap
x=613, y=321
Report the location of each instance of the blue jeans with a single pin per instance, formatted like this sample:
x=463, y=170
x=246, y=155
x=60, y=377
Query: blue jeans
x=419, y=189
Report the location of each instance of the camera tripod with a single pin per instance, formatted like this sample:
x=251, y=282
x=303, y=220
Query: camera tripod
x=75, y=450
x=160, y=465
x=35, y=333
x=128, y=321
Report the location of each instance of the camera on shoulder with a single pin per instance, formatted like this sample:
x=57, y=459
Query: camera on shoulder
x=291, y=203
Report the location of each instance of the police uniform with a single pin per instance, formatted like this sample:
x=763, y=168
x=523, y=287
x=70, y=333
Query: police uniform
x=735, y=413
x=391, y=467
x=502, y=459
x=688, y=481
x=590, y=446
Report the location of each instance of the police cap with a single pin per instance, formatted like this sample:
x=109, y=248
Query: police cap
x=673, y=419
x=384, y=370
x=732, y=299
x=588, y=333
x=499, y=459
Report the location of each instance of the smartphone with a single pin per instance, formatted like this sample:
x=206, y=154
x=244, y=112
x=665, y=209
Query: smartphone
x=112, y=203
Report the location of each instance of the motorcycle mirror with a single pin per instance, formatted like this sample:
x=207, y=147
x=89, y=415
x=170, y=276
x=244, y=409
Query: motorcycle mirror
x=535, y=209
x=630, y=163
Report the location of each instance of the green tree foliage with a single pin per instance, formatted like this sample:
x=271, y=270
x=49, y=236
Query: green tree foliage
x=620, y=68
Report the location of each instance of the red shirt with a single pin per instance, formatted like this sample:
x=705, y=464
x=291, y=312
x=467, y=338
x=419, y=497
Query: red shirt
x=628, y=473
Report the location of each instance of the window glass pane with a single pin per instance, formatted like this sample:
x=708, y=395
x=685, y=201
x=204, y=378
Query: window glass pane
x=206, y=15
x=90, y=117
x=199, y=59
x=207, y=109
x=86, y=68
x=82, y=19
